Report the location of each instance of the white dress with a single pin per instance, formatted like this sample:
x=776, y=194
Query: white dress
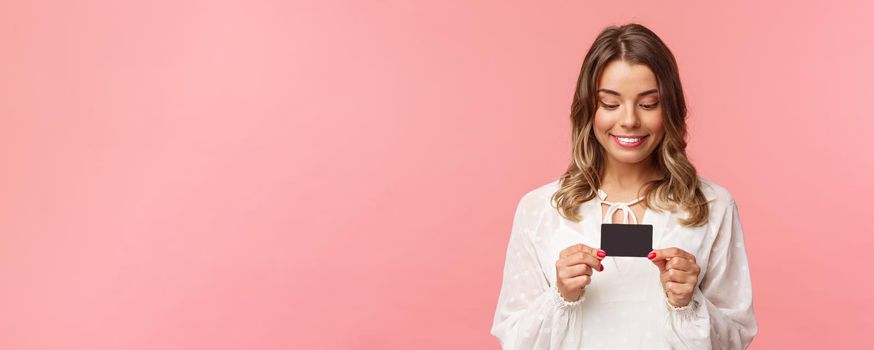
x=624, y=306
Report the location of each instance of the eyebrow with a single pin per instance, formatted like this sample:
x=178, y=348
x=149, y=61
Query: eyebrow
x=647, y=92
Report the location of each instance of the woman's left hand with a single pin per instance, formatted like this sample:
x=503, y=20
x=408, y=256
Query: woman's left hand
x=679, y=274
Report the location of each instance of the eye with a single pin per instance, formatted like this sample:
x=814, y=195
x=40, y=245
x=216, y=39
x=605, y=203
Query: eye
x=608, y=107
x=650, y=106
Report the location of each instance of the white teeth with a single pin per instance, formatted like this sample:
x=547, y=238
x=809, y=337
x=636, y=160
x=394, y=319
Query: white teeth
x=628, y=140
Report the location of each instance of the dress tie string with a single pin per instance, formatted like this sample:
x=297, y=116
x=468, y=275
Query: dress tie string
x=625, y=207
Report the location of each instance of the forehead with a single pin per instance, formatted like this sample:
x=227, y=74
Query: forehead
x=627, y=79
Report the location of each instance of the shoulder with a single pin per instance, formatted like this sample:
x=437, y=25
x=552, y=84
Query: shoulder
x=536, y=201
x=539, y=197
x=719, y=199
x=714, y=192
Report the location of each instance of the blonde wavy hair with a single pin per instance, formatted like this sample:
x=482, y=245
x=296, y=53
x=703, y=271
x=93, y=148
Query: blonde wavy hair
x=635, y=44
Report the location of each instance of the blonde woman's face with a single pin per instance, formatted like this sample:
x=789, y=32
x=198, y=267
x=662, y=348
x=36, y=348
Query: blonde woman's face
x=629, y=119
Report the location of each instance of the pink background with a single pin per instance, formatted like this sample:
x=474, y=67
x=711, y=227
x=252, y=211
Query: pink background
x=343, y=175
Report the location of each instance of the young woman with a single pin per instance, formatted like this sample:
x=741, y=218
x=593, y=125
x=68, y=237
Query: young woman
x=560, y=291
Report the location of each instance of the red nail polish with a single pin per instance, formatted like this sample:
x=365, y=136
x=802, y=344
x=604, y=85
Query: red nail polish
x=651, y=255
x=601, y=268
x=602, y=253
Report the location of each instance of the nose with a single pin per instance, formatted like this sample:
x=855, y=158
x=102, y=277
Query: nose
x=629, y=118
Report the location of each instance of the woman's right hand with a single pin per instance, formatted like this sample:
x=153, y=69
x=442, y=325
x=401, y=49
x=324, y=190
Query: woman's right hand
x=573, y=270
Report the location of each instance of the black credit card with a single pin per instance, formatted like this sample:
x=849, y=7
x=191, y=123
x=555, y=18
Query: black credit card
x=626, y=239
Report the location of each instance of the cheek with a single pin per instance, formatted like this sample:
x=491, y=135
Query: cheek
x=602, y=122
x=658, y=128
x=655, y=125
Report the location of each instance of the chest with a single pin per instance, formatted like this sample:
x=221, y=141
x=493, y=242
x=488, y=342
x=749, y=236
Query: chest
x=638, y=209
x=556, y=233
x=625, y=278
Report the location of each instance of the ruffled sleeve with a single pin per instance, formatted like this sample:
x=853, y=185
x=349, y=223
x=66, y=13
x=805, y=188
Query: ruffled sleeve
x=720, y=315
x=531, y=314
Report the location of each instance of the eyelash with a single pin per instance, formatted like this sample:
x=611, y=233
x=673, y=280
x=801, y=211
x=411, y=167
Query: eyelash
x=612, y=107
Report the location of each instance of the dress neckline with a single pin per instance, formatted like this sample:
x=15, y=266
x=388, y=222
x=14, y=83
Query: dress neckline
x=607, y=218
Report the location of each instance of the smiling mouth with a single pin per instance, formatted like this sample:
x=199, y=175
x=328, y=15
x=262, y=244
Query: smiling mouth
x=629, y=141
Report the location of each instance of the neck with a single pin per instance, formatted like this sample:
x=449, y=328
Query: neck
x=628, y=176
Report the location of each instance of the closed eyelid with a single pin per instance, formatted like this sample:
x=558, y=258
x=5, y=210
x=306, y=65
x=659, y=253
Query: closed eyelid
x=647, y=99
x=619, y=103
x=640, y=95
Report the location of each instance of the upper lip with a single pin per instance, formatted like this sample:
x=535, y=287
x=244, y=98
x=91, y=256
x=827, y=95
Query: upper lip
x=629, y=136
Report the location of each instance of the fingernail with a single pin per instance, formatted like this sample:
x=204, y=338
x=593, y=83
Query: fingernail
x=651, y=255
x=601, y=253
x=601, y=268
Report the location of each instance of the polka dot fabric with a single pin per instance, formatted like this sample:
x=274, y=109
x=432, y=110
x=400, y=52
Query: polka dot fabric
x=625, y=306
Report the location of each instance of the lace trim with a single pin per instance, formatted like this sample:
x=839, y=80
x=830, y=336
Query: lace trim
x=560, y=302
x=685, y=313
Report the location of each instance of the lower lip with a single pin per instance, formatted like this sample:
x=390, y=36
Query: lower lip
x=628, y=145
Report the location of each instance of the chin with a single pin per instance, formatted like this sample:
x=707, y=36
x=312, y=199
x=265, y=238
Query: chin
x=630, y=159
